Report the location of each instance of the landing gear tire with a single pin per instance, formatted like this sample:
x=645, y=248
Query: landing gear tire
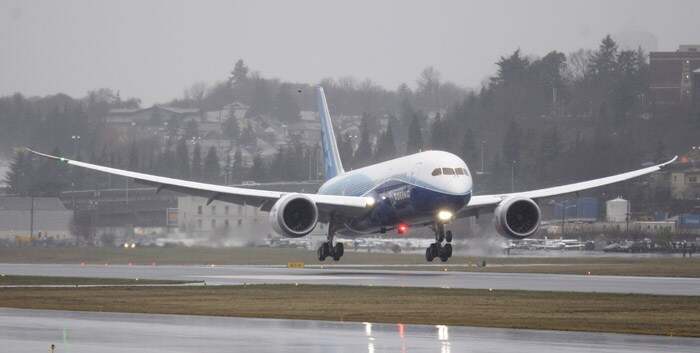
x=431, y=252
x=323, y=252
x=443, y=255
x=338, y=251
x=448, y=250
x=448, y=236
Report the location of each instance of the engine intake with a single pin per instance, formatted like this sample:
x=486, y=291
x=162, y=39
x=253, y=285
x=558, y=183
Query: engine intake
x=294, y=215
x=517, y=217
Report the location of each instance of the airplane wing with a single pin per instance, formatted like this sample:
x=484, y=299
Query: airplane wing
x=486, y=203
x=347, y=205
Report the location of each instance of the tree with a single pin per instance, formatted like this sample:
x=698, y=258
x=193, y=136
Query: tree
x=261, y=101
x=512, y=142
x=285, y=104
x=194, y=95
x=197, y=163
x=428, y=85
x=511, y=70
x=239, y=73
x=468, y=151
x=386, y=148
x=363, y=154
x=440, y=134
x=191, y=130
x=182, y=157
x=248, y=136
x=19, y=177
x=231, y=129
x=212, y=169
x=257, y=170
x=415, y=136
x=237, y=166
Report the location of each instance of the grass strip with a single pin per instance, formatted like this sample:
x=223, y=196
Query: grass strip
x=12, y=280
x=571, y=311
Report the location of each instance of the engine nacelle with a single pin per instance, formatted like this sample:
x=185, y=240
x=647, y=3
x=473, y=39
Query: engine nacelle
x=294, y=215
x=517, y=217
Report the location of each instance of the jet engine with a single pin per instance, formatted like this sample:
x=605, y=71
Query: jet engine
x=517, y=217
x=294, y=215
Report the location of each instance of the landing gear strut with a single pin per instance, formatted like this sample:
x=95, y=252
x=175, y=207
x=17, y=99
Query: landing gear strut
x=327, y=249
x=437, y=249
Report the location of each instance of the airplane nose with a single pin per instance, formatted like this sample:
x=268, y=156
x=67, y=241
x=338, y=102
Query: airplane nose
x=458, y=185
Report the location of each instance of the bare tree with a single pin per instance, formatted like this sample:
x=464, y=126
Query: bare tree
x=195, y=94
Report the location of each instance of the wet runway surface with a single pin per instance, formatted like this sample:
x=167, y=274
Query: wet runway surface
x=24, y=330
x=236, y=275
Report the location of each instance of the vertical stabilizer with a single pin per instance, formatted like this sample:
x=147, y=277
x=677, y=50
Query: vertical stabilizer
x=332, y=166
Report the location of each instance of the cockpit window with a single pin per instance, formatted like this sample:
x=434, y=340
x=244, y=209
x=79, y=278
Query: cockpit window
x=448, y=171
x=459, y=171
x=437, y=171
x=466, y=172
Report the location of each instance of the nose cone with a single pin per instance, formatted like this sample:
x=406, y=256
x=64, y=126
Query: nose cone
x=458, y=185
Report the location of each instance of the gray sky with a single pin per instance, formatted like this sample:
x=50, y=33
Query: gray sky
x=155, y=49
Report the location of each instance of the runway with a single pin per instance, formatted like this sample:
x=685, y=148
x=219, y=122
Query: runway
x=24, y=330
x=236, y=275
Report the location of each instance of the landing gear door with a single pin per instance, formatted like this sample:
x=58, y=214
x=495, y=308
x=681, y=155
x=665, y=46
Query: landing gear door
x=415, y=172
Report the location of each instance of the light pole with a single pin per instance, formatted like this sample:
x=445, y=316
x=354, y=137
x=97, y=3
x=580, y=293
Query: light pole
x=76, y=139
x=512, y=175
x=483, y=142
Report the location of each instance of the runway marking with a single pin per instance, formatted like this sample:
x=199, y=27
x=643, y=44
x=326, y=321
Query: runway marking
x=285, y=277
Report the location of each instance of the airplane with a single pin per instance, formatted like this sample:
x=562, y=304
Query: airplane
x=429, y=188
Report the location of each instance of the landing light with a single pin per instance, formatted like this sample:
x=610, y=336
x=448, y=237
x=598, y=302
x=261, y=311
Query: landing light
x=369, y=202
x=445, y=215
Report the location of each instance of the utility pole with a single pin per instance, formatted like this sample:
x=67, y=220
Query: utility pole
x=31, y=220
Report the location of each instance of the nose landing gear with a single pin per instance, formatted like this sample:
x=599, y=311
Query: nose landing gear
x=437, y=249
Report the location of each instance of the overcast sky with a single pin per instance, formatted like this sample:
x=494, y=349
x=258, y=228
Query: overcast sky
x=155, y=49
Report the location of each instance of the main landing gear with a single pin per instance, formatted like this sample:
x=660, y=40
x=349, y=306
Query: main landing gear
x=437, y=249
x=327, y=249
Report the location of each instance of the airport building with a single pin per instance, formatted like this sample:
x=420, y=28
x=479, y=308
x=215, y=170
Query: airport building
x=675, y=76
x=45, y=216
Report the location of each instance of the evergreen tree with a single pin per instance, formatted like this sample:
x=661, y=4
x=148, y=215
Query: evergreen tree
x=182, y=157
x=19, y=177
x=257, y=170
x=512, y=142
x=363, y=154
x=345, y=150
x=212, y=169
x=468, y=151
x=191, y=130
x=386, y=148
x=239, y=73
x=231, y=129
x=196, y=163
x=415, y=136
x=248, y=136
x=237, y=166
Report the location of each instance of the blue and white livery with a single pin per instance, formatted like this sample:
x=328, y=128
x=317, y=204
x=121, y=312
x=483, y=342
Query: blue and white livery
x=424, y=189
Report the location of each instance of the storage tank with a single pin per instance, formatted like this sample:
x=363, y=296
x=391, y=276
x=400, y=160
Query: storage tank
x=616, y=210
x=587, y=208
